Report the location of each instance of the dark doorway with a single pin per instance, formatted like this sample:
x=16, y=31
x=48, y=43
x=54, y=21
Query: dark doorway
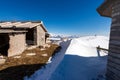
x=4, y=44
x=31, y=36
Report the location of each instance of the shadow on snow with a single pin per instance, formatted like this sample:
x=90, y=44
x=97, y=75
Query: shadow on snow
x=75, y=67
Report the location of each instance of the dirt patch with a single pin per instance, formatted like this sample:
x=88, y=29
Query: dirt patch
x=15, y=68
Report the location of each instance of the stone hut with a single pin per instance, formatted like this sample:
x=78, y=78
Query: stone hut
x=111, y=8
x=15, y=37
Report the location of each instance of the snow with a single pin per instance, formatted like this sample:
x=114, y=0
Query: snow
x=64, y=35
x=56, y=39
x=46, y=71
x=86, y=46
x=82, y=61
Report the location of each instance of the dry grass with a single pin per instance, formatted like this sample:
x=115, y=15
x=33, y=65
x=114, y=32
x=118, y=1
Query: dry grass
x=17, y=68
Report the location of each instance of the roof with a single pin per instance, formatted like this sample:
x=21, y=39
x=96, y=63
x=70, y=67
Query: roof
x=106, y=8
x=11, y=25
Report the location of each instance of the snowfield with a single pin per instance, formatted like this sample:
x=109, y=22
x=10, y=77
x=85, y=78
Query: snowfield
x=78, y=59
x=86, y=46
x=82, y=60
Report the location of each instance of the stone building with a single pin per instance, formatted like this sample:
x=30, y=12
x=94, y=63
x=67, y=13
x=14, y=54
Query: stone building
x=111, y=8
x=15, y=37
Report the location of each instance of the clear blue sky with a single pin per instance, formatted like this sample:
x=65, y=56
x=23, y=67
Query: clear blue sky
x=59, y=16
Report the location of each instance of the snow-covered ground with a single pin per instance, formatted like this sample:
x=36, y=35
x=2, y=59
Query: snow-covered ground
x=82, y=61
x=47, y=70
x=86, y=46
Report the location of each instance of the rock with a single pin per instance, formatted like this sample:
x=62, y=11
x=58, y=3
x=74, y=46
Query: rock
x=31, y=54
x=44, y=55
x=42, y=49
x=46, y=45
x=1, y=57
x=17, y=57
x=31, y=47
x=2, y=61
x=49, y=60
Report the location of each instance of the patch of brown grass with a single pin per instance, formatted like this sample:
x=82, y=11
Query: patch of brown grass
x=17, y=68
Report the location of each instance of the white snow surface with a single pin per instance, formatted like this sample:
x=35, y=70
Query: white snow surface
x=53, y=62
x=82, y=60
x=86, y=46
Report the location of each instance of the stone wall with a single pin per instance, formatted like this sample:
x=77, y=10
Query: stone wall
x=113, y=66
x=17, y=44
x=40, y=36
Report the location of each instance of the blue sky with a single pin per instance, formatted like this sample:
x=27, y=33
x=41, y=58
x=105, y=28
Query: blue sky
x=59, y=16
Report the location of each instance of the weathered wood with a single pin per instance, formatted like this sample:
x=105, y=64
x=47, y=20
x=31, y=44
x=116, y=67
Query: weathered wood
x=114, y=48
x=99, y=48
x=113, y=60
x=114, y=37
x=113, y=54
x=114, y=42
x=113, y=65
x=112, y=73
x=109, y=77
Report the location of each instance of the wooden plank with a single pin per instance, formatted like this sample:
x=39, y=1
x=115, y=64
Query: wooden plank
x=113, y=60
x=114, y=48
x=12, y=31
x=99, y=48
x=114, y=37
x=116, y=55
x=109, y=75
x=114, y=73
x=114, y=42
x=116, y=24
x=116, y=66
x=115, y=33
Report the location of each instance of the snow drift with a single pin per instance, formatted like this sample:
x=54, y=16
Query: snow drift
x=82, y=61
x=86, y=46
x=47, y=70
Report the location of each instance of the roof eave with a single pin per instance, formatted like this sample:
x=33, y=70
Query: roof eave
x=42, y=25
x=106, y=8
x=103, y=14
